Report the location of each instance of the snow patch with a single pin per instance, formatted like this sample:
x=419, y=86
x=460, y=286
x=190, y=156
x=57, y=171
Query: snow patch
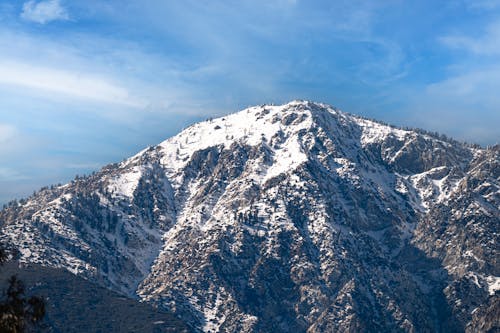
x=374, y=132
x=126, y=183
x=493, y=284
x=212, y=320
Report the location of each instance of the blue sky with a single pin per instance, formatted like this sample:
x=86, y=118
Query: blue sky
x=87, y=82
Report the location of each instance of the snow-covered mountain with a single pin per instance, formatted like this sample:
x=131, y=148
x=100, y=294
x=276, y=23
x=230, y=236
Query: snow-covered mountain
x=286, y=218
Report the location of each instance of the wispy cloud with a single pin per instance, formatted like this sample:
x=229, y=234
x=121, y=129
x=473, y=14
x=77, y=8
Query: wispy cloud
x=72, y=84
x=478, y=88
x=468, y=94
x=44, y=11
x=487, y=44
x=463, y=105
x=108, y=76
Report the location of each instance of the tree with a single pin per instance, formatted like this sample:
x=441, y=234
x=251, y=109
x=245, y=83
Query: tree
x=17, y=311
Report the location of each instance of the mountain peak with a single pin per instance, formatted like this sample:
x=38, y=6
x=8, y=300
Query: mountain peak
x=289, y=134
x=251, y=124
x=272, y=125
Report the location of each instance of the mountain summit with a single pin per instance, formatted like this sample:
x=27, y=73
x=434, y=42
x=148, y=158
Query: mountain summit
x=288, y=218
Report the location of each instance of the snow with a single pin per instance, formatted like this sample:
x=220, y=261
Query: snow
x=26, y=253
x=34, y=249
x=252, y=126
x=374, y=132
x=287, y=158
x=470, y=254
x=475, y=279
x=490, y=282
x=47, y=216
x=401, y=186
x=347, y=169
x=126, y=183
x=212, y=319
x=433, y=186
x=493, y=284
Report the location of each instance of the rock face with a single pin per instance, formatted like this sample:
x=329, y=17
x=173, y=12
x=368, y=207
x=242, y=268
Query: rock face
x=287, y=218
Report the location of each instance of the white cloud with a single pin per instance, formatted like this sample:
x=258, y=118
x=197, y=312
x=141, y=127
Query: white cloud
x=464, y=106
x=95, y=69
x=67, y=83
x=44, y=11
x=478, y=87
x=487, y=44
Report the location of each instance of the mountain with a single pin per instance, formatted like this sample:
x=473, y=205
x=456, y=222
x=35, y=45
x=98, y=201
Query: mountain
x=288, y=218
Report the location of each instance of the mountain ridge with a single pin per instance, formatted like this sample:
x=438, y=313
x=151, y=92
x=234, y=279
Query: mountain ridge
x=360, y=223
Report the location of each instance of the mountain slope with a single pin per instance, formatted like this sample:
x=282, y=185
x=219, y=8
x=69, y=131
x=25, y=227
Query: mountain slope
x=285, y=218
x=75, y=305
